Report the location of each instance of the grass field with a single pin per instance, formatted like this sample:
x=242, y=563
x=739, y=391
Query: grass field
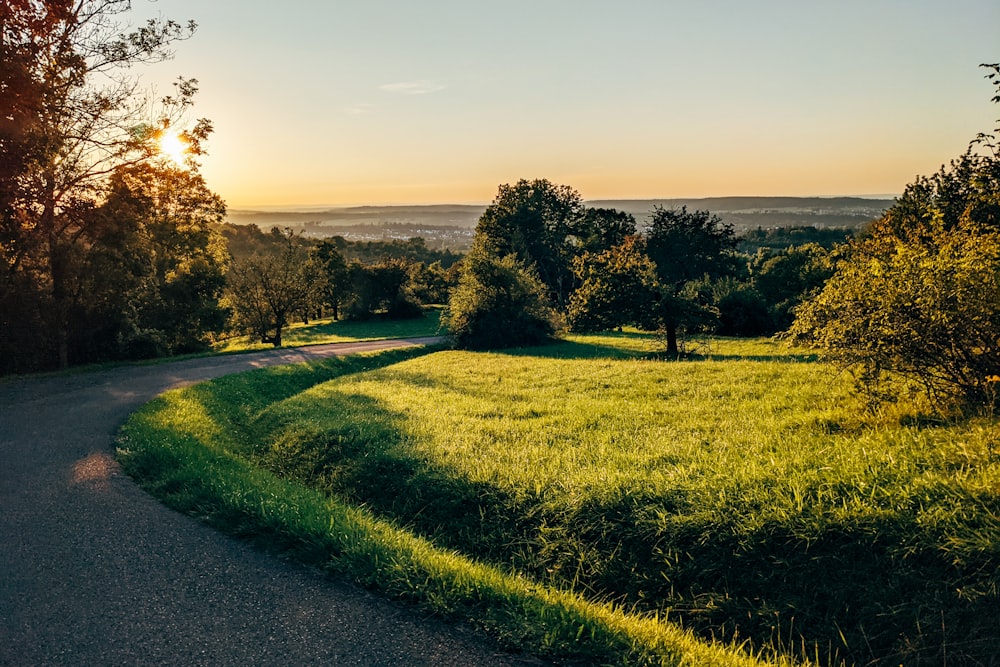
x=343, y=331
x=584, y=500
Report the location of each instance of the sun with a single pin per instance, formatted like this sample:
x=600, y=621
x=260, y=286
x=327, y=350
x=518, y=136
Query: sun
x=173, y=147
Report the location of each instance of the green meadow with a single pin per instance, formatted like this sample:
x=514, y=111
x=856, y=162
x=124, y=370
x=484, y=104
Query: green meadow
x=592, y=504
x=328, y=330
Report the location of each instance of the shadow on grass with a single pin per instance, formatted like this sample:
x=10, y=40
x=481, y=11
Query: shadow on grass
x=426, y=325
x=234, y=401
x=849, y=585
x=575, y=349
x=860, y=586
x=364, y=454
x=788, y=358
x=568, y=349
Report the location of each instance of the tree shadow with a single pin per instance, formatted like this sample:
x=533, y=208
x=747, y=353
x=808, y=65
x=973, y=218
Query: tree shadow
x=790, y=358
x=567, y=349
x=365, y=454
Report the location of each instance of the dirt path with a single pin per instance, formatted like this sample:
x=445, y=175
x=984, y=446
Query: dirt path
x=95, y=572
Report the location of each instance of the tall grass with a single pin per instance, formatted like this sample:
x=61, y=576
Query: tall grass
x=185, y=448
x=744, y=495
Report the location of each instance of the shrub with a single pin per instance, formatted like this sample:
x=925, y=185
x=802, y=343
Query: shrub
x=498, y=303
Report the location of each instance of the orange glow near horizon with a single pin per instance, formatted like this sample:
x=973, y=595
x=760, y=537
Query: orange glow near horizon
x=763, y=99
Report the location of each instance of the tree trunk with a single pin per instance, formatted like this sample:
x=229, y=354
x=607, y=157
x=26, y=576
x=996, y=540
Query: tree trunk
x=57, y=274
x=672, y=341
x=279, y=324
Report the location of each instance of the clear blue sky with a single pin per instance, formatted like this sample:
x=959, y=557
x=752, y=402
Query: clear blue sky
x=329, y=102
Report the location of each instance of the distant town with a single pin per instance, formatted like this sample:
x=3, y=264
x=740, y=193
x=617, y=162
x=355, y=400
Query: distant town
x=451, y=226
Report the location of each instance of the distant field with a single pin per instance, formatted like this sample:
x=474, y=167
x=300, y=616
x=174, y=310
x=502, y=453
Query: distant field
x=343, y=331
x=744, y=495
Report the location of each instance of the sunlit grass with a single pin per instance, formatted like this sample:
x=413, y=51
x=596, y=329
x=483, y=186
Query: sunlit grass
x=327, y=330
x=745, y=493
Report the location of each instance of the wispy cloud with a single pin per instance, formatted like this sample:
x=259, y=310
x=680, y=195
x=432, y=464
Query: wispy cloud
x=419, y=87
x=360, y=109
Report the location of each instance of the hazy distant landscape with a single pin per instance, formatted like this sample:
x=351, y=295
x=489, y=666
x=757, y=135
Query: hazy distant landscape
x=451, y=225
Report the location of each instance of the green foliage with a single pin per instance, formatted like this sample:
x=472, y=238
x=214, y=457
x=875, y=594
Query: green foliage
x=532, y=221
x=617, y=288
x=545, y=226
x=362, y=279
x=336, y=275
x=72, y=131
x=930, y=315
x=265, y=291
x=173, y=305
x=498, y=303
x=432, y=283
x=743, y=311
x=604, y=228
x=688, y=245
x=785, y=278
x=380, y=290
x=412, y=251
x=752, y=241
x=918, y=297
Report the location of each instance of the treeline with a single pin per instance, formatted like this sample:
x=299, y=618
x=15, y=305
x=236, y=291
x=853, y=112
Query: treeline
x=751, y=240
x=107, y=248
x=542, y=259
x=247, y=239
x=911, y=305
x=279, y=277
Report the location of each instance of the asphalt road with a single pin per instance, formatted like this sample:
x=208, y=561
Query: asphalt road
x=95, y=572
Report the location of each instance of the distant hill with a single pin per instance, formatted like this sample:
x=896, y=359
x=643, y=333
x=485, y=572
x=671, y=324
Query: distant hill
x=450, y=225
x=767, y=212
x=448, y=215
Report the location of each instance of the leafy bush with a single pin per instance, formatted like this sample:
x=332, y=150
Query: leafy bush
x=929, y=314
x=498, y=303
x=919, y=296
x=742, y=309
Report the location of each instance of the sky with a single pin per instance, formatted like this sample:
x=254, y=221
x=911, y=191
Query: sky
x=341, y=103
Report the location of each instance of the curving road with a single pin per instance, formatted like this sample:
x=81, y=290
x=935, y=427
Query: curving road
x=95, y=572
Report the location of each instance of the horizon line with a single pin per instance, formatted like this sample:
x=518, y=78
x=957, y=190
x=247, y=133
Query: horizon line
x=309, y=208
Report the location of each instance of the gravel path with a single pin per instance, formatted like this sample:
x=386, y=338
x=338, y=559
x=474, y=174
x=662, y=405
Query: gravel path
x=95, y=572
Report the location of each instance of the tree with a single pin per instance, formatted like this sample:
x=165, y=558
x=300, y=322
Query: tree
x=742, y=309
x=537, y=222
x=603, y=228
x=168, y=264
x=687, y=246
x=70, y=120
x=618, y=287
x=430, y=283
x=546, y=226
x=918, y=296
x=787, y=277
x=381, y=289
x=336, y=272
x=931, y=315
x=498, y=303
x=264, y=291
